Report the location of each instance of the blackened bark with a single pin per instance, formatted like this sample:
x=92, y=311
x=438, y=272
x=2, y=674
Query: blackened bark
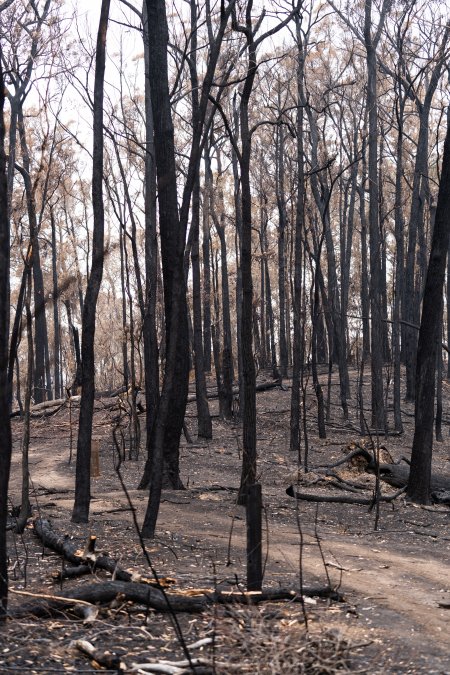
x=238, y=239
x=297, y=346
x=5, y=424
x=322, y=195
x=55, y=299
x=448, y=309
x=173, y=227
x=80, y=513
x=206, y=236
x=248, y=474
x=315, y=309
x=415, y=257
x=226, y=393
x=25, y=508
x=439, y=374
x=399, y=260
x=282, y=223
x=75, y=339
x=149, y=330
x=418, y=489
x=40, y=390
x=165, y=438
x=204, y=427
x=125, y=327
x=203, y=415
x=365, y=303
x=378, y=411
x=17, y=325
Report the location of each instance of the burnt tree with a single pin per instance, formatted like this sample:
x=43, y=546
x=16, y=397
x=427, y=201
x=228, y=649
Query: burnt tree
x=80, y=512
x=430, y=340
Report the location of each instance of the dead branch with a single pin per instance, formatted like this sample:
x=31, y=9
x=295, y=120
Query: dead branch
x=69, y=550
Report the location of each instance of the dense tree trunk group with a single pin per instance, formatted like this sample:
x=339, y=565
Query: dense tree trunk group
x=257, y=206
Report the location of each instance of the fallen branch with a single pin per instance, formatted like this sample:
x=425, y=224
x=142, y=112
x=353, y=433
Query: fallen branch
x=69, y=550
x=273, y=594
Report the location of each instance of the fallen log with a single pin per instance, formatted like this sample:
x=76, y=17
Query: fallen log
x=106, y=592
x=341, y=499
x=261, y=387
x=37, y=409
x=192, y=601
x=395, y=474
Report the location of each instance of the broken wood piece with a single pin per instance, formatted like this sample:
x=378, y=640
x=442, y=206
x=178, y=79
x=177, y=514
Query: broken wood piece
x=103, y=659
x=174, y=667
x=71, y=572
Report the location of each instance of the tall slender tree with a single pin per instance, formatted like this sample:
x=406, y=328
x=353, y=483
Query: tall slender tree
x=80, y=513
x=5, y=424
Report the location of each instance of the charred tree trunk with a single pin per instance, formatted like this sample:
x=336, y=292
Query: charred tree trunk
x=206, y=237
x=297, y=345
x=204, y=429
x=378, y=411
x=365, y=303
x=56, y=325
x=5, y=424
x=429, y=340
x=41, y=366
x=151, y=352
x=166, y=437
x=448, y=310
x=415, y=257
x=80, y=513
x=399, y=263
x=226, y=398
x=282, y=223
x=25, y=508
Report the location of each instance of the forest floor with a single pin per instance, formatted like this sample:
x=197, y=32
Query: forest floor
x=395, y=616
